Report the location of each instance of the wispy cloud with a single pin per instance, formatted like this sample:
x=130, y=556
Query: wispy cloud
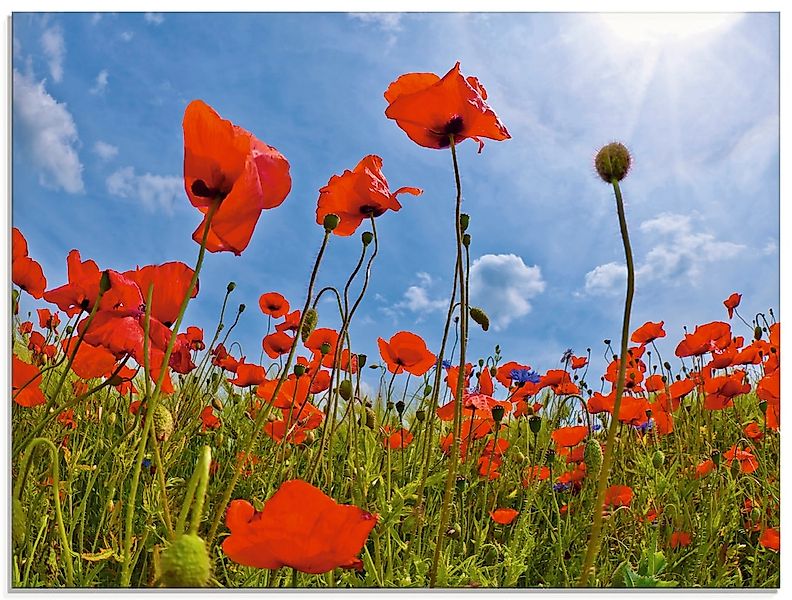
x=54, y=48
x=100, y=83
x=48, y=131
x=154, y=18
x=385, y=21
x=104, y=150
x=127, y=36
x=503, y=285
x=417, y=299
x=157, y=193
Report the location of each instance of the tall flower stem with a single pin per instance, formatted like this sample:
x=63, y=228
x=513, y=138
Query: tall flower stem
x=262, y=414
x=460, y=384
x=607, y=460
x=126, y=566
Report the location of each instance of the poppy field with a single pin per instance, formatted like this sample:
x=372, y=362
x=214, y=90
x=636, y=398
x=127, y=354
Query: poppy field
x=150, y=452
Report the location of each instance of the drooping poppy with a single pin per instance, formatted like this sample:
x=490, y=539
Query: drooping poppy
x=732, y=302
x=358, y=194
x=648, y=332
x=171, y=282
x=208, y=419
x=228, y=169
x=406, y=352
x=26, y=383
x=504, y=516
x=430, y=109
x=299, y=527
x=273, y=304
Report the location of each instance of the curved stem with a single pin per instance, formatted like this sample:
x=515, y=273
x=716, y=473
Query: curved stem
x=607, y=460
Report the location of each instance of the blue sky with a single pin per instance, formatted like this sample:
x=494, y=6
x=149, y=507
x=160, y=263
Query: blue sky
x=98, y=103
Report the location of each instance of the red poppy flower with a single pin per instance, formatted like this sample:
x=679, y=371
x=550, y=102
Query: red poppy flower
x=180, y=359
x=504, y=516
x=599, y=403
x=194, y=337
x=290, y=324
x=321, y=336
x=771, y=539
x=769, y=390
x=171, y=282
x=748, y=462
x=485, y=385
x=293, y=392
x=732, y=302
x=618, y=495
x=704, y=468
x=654, y=383
x=648, y=332
x=276, y=344
x=300, y=527
x=489, y=465
x=430, y=109
x=706, y=338
x=578, y=362
x=82, y=289
x=209, y=419
x=406, y=352
x=535, y=473
x=228, y=168
x=25, y=272
x=90, y=361
x=21, y=375
x=752, y=431
x=25, y=328
x=273, y=304
x=358, y=194
x=249, y=374
x=397, y=440
x=570, y=436
x=679, y=539
x=47, y=319
x=504, y=372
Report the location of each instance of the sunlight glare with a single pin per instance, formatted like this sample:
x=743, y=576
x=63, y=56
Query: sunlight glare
x=657, y=28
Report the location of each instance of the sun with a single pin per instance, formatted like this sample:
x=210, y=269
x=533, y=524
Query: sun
x=656, y=28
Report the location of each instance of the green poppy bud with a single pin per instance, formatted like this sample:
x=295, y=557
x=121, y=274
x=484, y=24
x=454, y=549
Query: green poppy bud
x=330, y=222
x=230, y=287
x=592, y=456
x=763, y=406
x=345, y=389
x=299, y=370
x=757, y=333
x=466, y=240
x=367, y=238
x=163, y=422
x=658, y=458
x=217, y=404
x=309, y=323
x=427, y=390
x=362, y=358
x=535, y=423
x=104, y=282
x=185, y=563
x=241, y=308
x=497, y=413
x=480, y=317
x=464, y=221
x=613, y=162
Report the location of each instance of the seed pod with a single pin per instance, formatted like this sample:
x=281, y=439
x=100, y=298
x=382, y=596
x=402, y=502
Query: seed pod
x=309, y=323
x=592, y=456
x=345, y=389
x=757, y=333
x=420, y=415
x=330, y=222
x=367, y=238
x=466, y=240
x=163, y=422
x=299, y=370
x=535, y=423
x=497, y=413
x=361, y=359
x=230, y=287
x=217, y=404
x=400, y=407
x=658, y=459
x=480, y=317
x=185, y=563
x=464, y=222
x=371, y=418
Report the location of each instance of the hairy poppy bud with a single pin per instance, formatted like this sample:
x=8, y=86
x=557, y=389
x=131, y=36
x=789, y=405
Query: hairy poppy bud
x=427, y=389
x=367, y=238
x=466, y=240
x=535, y=423
x=185, y=563
x=330, y=222
x=400, y=407
x=345, y=389
x=299, y=370
x=592, y=456
x=658, y=459
x=480, y=317
x=217, y=404
x=371, y=418
x=420, y=415
x=716, y=456
x=309, y=323
x=497, y=413
x=310, y=437
x=111, y=418
x=324, y=348
x=230, y=287
x=549, y=456
x=613, y=162
x=163, y=422
x=464, y=221
x=361, y=359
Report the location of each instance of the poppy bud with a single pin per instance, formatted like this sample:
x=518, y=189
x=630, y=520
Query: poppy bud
x=389, y=405
x=549, y=456
x=367, y=237
x=163, y=422
x=111, y=418
x=310, y=437
x=592, y=456
x=658, y=458
x=427, y=389
x=606, y=342
x=371, y=418
x=330, y=222
x=104, y=282
x=69, y=329
x=299, y=370
x=230, y=287
x=535, y=423
x=497, y=413
x=763, y=406
x=756, y=514
x=185, y=563
x=667, y=366
x=493, y=371
x=757, y=333
x=345, y=389
x=324, y=348
x=466, y=240
x=716, y=457
x=481, y=362
x=309, y=323
x=613, y=162
x=420, y=415
x=400, y=407
x=361, y=359
x=480, y=317
x=464, y=221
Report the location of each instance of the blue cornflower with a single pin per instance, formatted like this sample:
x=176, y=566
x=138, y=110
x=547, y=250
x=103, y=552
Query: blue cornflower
x=146, y=463
x=567, y=356
x=561, y=487
x=646, y=426
x=524, y=376
x=596, y=427
x=446, y=364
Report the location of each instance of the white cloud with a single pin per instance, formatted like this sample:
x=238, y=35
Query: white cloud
x=104, y=150
x=157, y=193
x=503, y=285
x=385, y=21
x=49, y=131
x=154, y=18
x=417, y=297
x=681, y=255
x=100, y=83
x=770, y=248
x=95, y=18
x=54, y=49
x=127, y=36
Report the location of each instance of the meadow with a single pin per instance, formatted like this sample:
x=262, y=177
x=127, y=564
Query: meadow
x=148, y=452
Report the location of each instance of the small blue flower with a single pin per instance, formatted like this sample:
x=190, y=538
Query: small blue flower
x=646, y=426
x=446, y=364
x=561, y=487
x=524, y=376
x=146, y=463
x=567, y=356
x=596, y=427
